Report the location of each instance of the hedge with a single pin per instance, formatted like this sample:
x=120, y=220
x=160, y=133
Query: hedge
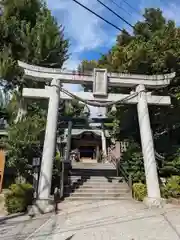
x=139, y=191
x=170, y=190
x=19, y=197
x=172, y=187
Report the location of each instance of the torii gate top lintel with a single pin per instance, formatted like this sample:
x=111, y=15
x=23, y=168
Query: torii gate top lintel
x=112, y=79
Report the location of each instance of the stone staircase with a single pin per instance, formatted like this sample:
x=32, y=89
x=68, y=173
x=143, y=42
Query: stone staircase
x=96, y=181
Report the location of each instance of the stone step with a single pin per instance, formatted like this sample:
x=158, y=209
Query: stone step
x=93, y=198
x=104, y=184
x=101, y=180
x=102, y=190
x=99, y=194
x=105, y=177
x=88, y=173
x=76, y=178
x=95, y=189
x=98, y=181
x=94, y=181
x=95, y=177
x=108, y=188
x=93, y=166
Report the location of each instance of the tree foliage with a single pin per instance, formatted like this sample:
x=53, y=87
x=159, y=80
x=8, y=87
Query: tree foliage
x=132, y=162
x=29, y=33
x=25, y=141
x=152, y=48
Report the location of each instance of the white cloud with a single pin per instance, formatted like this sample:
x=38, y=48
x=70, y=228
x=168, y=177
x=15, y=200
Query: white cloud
x=85, y=31
x=171, y=12
x=80, y=25
x=72, y=63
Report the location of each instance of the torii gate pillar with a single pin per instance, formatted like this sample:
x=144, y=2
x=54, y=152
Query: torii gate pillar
x=153, y=190
x=44, y=186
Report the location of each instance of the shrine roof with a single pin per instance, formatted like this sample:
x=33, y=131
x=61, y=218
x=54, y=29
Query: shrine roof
x=77, y=132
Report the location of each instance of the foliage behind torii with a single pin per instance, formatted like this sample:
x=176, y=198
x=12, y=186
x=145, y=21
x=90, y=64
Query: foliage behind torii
x=153, y=48
x=31, y=34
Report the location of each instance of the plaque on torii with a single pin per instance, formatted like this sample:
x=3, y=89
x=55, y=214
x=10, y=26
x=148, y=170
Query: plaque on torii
x=100, y=79
x=100, y=83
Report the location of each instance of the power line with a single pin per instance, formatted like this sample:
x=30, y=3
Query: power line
x=120, y=7
x=115, y=14
x=134, y=9
x=97, y=15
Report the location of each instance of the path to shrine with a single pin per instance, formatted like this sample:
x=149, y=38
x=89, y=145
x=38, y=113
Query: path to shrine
x=112, y=220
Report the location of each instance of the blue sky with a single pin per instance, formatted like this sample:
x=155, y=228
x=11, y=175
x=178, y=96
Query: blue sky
x=90, y=36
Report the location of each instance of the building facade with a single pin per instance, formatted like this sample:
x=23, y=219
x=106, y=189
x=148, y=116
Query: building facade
x=88, y=143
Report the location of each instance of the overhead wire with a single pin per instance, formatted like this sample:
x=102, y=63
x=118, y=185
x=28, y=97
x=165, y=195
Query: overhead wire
x=120, y=7
x=117, y=15
x=97, y=15
x=105, y=20
x=130, y=6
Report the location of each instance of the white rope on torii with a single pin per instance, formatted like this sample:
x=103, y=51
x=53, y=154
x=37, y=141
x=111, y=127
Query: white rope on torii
x=100, y=97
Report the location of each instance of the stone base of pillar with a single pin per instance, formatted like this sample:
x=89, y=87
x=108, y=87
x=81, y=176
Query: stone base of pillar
x=154, y=202
x=41, y=207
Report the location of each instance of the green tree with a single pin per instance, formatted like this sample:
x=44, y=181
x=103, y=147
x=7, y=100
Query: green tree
x=132, y=161
x=157, y=54
x=29, y=33
x=87, y=66
x=153, y=48
x=25, y=141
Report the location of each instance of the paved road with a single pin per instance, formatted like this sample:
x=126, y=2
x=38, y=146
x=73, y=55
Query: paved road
x=107, y=220
x=20, y=228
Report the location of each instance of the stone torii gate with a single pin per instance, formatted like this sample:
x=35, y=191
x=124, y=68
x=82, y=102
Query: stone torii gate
x=100, y=79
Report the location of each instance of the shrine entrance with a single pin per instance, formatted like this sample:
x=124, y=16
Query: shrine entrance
x=87, y=152
x=140, y=94
x=87, y=143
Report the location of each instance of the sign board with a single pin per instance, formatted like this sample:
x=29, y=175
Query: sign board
x=100, y=84
x=36, y=162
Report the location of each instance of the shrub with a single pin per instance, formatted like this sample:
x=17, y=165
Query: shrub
x=19, y=197
x=172, y=188
x=139, y=191
x=132, y=162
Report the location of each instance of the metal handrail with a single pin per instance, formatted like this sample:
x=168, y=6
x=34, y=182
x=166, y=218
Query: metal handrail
x=126, y=175
x=122, y=170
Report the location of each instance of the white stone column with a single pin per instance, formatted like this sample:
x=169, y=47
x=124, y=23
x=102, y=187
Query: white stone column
x=68, y=144
x=103, y=139
x=49, y=143
x=148, y=149
x=97, y=152
x=22, y=110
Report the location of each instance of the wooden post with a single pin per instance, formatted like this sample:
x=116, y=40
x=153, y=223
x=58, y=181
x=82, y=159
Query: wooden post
x=2, y=165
